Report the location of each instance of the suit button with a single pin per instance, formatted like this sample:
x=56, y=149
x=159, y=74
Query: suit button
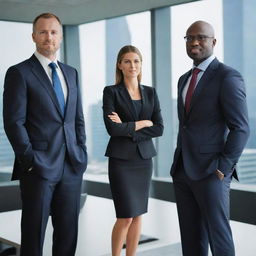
x=184, y=127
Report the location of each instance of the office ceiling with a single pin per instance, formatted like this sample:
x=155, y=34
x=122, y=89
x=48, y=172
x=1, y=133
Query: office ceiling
x=73, y=12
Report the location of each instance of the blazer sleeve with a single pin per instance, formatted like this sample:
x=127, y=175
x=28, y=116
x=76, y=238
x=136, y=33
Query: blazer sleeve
x=157, y=129
x=233, y=103
x=14, y=115
x=126, y=129
x=80, y=126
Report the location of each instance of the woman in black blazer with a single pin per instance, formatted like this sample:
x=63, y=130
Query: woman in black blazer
x=132, y=118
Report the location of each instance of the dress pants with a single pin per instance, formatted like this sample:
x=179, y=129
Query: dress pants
x=60, y=199
x=203, y=210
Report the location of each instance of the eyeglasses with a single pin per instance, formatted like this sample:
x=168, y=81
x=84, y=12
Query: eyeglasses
x=199, y=38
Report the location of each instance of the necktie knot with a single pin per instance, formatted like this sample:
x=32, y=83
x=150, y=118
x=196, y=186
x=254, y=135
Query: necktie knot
x=53, y=65
x=195, y=71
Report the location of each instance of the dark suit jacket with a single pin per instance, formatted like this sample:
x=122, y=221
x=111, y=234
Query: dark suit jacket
x=39, y=134
x=214, y=132
x=125, y=141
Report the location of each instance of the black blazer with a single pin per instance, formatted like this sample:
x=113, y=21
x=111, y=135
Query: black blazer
x=125, y=141
x=39, y=134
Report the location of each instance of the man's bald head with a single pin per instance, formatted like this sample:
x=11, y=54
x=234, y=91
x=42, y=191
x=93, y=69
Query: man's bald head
x=202, y=25
x=200, y=41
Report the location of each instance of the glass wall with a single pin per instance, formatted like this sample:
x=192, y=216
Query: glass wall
x=100, y=43
x=15, y=46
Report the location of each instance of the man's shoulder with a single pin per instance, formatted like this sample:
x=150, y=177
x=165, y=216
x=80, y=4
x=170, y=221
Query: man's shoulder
x=23, y=63
x=21, y=67
x=184, y=76
x=187, y=73
x=67, y=67
x=227, y=70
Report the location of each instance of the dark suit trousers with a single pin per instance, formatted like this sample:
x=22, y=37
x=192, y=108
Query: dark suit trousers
x=203, y=210
x=61, y=199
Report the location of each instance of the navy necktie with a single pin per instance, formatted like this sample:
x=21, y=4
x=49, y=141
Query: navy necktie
x=57, y=87
x=191, y=88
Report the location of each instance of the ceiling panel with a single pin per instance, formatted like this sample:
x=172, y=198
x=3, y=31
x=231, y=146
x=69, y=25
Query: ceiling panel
x=72, y=12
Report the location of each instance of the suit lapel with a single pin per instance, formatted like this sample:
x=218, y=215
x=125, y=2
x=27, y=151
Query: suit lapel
x=143, y=102
x=183, y=81
x=44, y=80
x=68, y=83
x=204, y=81
x=127, y=99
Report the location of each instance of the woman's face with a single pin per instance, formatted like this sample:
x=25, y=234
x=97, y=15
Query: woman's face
x=130, y=65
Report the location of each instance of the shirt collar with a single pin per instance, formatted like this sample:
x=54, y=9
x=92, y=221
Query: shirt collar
x=204, y=65
x=43, y=60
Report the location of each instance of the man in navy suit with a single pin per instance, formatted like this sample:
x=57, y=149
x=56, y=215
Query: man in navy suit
x=44, y=122
x=213, y=130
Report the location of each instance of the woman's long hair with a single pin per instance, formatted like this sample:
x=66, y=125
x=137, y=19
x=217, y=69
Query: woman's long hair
x=122, y=52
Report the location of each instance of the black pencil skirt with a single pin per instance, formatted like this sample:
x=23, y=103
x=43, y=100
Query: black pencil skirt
x=129, y=182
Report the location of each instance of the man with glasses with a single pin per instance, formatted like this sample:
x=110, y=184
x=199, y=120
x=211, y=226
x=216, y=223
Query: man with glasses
x=213, y=130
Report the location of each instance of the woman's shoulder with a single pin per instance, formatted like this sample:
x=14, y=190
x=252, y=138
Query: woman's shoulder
x=111, y=89
x=108, y=88
x=147, y=88
x=113, y=86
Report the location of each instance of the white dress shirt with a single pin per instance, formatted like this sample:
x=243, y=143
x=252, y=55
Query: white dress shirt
x=45, y=64
x=202, y=66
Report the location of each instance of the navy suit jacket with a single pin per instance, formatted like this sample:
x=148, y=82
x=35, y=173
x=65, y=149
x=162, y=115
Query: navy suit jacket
x=40, y=136
x=125, y=142
x=215, y=131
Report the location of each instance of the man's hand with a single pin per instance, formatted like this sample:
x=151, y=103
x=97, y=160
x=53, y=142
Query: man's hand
x=219, y=174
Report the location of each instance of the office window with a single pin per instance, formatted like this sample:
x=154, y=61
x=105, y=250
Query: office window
x=15, y=46
x=100, y=42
